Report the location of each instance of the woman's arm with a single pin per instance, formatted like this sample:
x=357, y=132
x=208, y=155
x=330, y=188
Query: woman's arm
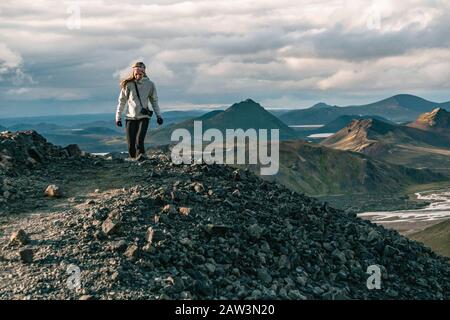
x=123, y=97
x=153, y=97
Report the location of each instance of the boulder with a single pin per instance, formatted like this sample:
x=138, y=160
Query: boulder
x=19, y=237
x=110, y=227
x=184, y=211
x=73, y=150
x=53, y=191
x=132, y=252
x=26, y=255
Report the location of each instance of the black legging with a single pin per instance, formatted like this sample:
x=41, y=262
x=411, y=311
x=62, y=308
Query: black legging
x=136, y=131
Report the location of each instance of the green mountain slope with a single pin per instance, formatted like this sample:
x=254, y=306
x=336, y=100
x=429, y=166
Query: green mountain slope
x=437, y=237
x=317, y=170
x=244, y=115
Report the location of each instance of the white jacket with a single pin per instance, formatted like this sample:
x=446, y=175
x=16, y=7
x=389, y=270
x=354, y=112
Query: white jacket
x=147, y=91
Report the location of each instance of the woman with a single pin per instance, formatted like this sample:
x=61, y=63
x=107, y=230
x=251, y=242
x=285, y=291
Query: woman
x=137, y=90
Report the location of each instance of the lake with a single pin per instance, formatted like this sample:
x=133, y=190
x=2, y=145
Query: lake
x=312, y=126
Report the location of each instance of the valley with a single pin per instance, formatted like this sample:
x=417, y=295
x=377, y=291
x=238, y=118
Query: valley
x=361, y=164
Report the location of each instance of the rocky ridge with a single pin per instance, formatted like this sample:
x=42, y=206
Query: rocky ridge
x=165, y=231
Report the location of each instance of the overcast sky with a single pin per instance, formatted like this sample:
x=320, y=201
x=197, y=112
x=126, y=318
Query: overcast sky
x=283, y=53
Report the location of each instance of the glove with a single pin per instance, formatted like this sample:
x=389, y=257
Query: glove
x=159, y=120
x=119, y=123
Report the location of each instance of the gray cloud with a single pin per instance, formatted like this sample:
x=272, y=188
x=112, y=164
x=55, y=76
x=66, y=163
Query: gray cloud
x=283, y=53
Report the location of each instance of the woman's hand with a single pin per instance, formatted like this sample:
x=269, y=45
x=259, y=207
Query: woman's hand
x=159, y=120
x=119, y=123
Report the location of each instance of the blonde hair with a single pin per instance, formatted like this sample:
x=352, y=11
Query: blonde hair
x=131, y=77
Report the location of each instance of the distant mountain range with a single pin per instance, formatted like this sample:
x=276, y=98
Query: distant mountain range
x=94, y=120
x=422, y=143
x=92, y=132
x=40, y=127
x=399, y=108
x=306, y=167
x=243, y=115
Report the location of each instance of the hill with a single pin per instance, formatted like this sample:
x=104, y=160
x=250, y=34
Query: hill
x=164, y=231
x=317, y=170
x=437, y=120
x=342, y=121
x=360, y=136
x=399, y=144
x=398, y=108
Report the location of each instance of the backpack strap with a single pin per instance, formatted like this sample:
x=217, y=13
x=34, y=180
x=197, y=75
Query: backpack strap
x=139, y=96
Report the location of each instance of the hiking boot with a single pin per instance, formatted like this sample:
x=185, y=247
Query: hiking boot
x=141, y=157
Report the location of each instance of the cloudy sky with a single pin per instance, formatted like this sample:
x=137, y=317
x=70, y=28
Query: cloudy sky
x=60, y=57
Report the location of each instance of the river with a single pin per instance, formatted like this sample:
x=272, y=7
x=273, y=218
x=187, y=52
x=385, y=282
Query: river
x=409, y=221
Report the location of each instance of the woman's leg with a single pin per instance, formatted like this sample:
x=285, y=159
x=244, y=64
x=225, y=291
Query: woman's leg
x=131, y=132
x=142, y=132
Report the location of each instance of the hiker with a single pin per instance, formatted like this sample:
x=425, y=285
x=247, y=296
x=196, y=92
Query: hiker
x=137, y=90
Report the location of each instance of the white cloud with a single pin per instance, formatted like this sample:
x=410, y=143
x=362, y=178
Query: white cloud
x=428, y=68
x=17, y=91
x=215, y=52
x=9, y=58
x=31, y=94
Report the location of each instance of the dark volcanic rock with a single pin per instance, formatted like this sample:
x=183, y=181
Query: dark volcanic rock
x=19, y=237
x=265, y=243
x=26, y=160
x=26, y=255
x=110, y=227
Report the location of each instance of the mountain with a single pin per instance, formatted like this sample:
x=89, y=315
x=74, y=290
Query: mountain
x=318, y=170
x=398, y=144
x=398, y=108
x=321, y=106
x=154, y=230
x=360, y=136
x=41, y=127
x=96, y=119
x=436, y=120
x=371, y=136
x=342, y=121
x=313, y=116
x=278, y=112
x=243, y=115
x=176, y=116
